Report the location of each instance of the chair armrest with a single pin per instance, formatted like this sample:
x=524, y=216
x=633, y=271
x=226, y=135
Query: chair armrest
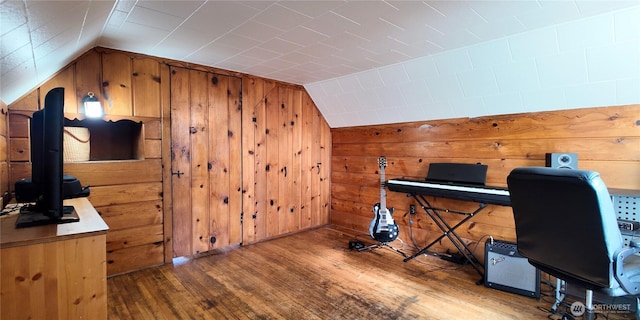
x=633, y=288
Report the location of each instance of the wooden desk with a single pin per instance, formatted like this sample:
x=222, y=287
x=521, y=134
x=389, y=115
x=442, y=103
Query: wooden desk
x=54, y=271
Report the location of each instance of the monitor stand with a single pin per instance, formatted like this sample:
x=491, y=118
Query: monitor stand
x=29, y=217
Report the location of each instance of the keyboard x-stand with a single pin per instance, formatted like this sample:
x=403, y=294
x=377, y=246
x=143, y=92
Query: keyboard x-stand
x=483, y=195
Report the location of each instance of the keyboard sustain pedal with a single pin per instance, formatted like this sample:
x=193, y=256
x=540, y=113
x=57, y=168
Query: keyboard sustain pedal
x=456, y=258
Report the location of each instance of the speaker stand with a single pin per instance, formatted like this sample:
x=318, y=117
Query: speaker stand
x=382, y=245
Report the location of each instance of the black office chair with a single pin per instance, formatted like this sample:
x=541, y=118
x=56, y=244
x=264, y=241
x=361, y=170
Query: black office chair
x=566, y=226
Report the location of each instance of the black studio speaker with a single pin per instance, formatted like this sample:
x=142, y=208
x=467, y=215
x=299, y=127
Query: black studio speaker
x=562, y=160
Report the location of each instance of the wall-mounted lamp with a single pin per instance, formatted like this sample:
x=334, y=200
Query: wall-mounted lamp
x=92, y=106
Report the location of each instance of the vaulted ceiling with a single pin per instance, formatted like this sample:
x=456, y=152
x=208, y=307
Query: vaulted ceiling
x=363, y=62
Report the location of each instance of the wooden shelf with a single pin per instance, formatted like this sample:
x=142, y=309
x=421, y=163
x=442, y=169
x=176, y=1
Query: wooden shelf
x=112, y=140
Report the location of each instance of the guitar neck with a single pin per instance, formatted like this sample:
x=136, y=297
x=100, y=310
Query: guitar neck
x=383, y=194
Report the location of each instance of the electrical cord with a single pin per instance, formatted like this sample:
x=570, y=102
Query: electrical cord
x=411, y=235
x=12, y=208
x=414, y=243
x=475, y=247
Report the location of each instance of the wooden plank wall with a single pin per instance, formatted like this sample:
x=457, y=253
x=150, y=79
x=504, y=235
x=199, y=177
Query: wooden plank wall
x=282, y=156
x=128, y=194
x=286, y=160
x=261, y=166
x=4, y=152
x=606, y=139
x=206, y=144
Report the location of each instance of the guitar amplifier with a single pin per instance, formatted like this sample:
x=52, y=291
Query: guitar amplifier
x=507, y=270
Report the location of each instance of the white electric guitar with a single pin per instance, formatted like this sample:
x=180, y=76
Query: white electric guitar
x=382, y=227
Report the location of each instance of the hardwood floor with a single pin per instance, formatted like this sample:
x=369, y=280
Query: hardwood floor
x=313, y=275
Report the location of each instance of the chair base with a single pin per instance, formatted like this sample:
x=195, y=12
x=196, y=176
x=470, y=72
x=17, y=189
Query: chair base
x=578, y=293
x=561, y=290
x=587, y=307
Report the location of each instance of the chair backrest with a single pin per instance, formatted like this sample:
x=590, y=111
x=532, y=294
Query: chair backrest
x=566, y=224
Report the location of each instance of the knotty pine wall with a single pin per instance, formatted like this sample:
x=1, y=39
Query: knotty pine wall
x=259, y=162
x=126, y=193
x=4, y=154
x=286, y=160
x=606, y=139
x=206, y=145
x=134, y=197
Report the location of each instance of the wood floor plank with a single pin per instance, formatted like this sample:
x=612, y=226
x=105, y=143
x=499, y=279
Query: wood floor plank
x=313, y=275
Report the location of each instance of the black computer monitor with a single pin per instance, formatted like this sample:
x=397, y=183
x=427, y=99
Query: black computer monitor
x=46, y=184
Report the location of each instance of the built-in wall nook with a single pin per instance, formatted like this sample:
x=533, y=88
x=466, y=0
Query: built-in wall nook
x=107, y=140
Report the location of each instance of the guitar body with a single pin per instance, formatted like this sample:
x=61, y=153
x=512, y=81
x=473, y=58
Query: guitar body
x=389, y=232
x=382, y=228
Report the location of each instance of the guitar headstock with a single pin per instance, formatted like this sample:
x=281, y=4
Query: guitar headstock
x=382, y=162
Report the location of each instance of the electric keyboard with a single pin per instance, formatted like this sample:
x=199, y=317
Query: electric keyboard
x=481, y=194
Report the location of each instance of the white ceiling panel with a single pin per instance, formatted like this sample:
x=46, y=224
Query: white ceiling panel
x=52, y=44
x=303, y=36
x=136, y=37
x=362, y=64
x=16, y=58
x=117, y=18
x=420, y=59
x=296, y=58
x=312, y=9
x=49, y=13
x=550, y=12
x=419, y=69
x=347, y=40
x=128, y=5
x=181, y=9
x=94, y=21
x=258, y=4
x=13, y=39
x=491, y=30
x=219, y=17
x=47, y=61
x=257, y=31
x=212, y=53
x=331, y=24
x=363, y=13
x=42, y=30
x=589, y=8
x=180, y=43
x=324, y=55
x=495, y=10
x=261, y=54
x=408, y=14
x=238, y=42
x=626, y=25
x=13, y=16
x=21, y=73
x=281, y=17
x=154, y=19
x=280, y=46
x=444, y=12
